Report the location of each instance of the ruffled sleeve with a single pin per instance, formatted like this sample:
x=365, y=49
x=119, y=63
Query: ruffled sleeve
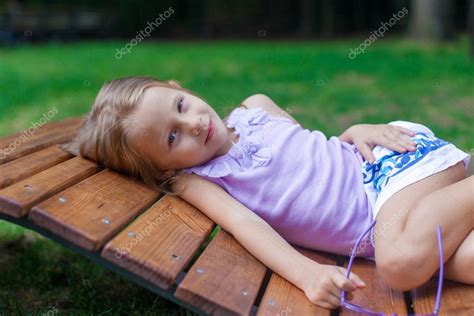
x=249, y=152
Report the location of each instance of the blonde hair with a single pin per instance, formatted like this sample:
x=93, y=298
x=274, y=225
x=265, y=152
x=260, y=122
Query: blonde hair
x=102, y=137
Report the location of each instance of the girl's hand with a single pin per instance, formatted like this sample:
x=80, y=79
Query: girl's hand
x=325, y=282
x=366, y=136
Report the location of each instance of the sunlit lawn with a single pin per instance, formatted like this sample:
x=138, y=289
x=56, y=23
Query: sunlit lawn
x=317, y=83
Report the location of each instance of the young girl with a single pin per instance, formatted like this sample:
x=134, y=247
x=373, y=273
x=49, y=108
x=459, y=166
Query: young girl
x=269, y=182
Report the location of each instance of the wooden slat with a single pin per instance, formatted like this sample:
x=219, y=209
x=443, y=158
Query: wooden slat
x=377, y=296
x=90, y=213
x=456, y=298
x=17, y=199
x=21, y=168
x=284, y=298
x=160, y=243
x=224, y=280
x=21, y=144
x=52, y=126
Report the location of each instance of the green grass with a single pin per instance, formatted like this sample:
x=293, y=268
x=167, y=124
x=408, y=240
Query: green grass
x=317, y=83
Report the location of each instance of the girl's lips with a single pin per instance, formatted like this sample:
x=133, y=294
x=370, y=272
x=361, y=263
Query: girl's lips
x=211, y=131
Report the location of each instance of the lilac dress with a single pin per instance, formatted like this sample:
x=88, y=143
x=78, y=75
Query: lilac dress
x=308, y=188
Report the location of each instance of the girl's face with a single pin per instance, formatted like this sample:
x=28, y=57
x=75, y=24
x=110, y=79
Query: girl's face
x=172, y=127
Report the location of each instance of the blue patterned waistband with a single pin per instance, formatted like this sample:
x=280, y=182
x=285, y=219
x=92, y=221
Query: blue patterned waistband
x=388, y=166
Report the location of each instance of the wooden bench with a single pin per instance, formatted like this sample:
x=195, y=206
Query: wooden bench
x=163, y=243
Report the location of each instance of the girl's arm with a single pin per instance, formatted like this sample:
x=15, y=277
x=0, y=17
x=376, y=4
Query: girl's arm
x=319, y=282
x=262, y=101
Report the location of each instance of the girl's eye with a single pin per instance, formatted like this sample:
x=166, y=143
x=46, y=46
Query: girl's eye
x=180, y=108
x=170, y=140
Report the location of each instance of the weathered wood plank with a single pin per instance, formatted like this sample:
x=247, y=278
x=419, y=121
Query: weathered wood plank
x=224, y=280
x=27, y=132
x=24, y=167
x=22, y=143
x=17, y=199
x=91, y=212
x=160, y=243
x=284, y=298
x=456, y=298
x=377, y=296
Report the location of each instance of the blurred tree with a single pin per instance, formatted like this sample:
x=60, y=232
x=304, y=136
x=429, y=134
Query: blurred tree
x=206, y=29
x=432, y=19
x=307, y=18
x=438, y=19
x=328, y=9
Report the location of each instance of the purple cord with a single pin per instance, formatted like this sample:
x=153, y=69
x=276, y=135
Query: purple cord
x=441, y=271
x=343, y=293
x=440, y=279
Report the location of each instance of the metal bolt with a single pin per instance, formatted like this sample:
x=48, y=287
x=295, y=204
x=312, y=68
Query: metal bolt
x=176, y=257
x=106, y=221
x=244, y=293
x=200, y=270
x=28, y=186
x=62, y=199
x=132, y=234
x=271, y=302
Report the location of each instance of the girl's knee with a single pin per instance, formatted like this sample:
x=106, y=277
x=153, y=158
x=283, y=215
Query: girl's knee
x=401, y=270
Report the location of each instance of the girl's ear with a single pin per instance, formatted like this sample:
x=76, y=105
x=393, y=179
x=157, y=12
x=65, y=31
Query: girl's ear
x=174, y=84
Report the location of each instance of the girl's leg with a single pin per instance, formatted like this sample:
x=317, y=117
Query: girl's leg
x=462, y=260
x=406, y=249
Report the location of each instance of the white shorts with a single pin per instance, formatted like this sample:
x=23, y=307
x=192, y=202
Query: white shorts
x=392, y=171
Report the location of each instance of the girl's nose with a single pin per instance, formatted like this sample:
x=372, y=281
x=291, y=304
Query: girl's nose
x=195, y=126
